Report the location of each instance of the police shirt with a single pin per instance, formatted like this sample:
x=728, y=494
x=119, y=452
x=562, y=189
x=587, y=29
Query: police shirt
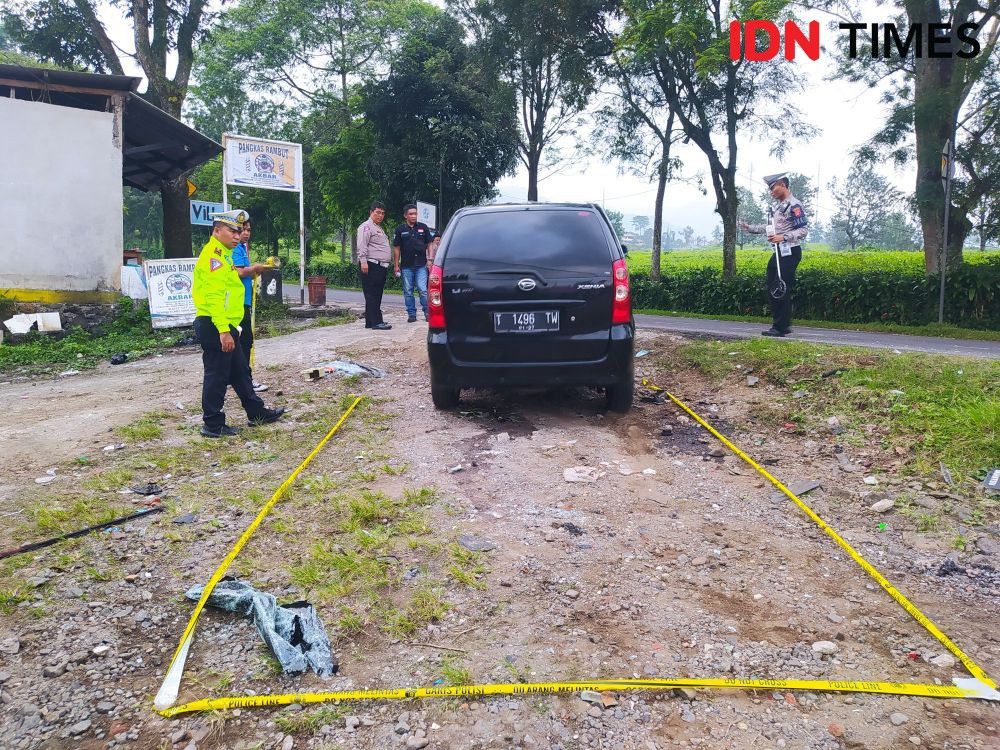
x=412, y=243
x=217, y=289
x=789, y=219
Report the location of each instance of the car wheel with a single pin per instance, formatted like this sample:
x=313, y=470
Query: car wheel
x=620, y=396
x=444, y=397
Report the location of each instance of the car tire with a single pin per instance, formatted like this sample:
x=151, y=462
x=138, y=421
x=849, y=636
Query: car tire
x=444, y=397
x=620, y=396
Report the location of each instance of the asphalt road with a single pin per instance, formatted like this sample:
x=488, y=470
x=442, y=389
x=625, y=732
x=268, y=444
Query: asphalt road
x=728, y=329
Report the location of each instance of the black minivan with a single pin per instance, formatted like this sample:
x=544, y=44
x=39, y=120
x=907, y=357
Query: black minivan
x=533, y=294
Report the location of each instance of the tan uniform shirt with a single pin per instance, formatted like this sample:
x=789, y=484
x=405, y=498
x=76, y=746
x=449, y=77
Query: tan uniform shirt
x=373, y=245
x=789, y=219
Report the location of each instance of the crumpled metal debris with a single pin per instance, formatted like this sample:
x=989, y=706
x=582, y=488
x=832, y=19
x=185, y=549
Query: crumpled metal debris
x=293, y=632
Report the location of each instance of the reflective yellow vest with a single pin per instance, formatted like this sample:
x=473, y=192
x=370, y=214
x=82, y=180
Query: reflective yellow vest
x=217, y=289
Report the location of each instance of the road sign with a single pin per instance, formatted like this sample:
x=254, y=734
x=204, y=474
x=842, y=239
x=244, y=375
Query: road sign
x=201, y=212
x=192, y=188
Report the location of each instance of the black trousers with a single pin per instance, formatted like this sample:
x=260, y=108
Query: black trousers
x=781, y=309
x=373, y=284
x=246, y=336
x=223, y=369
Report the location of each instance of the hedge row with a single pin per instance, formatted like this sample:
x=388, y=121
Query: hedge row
x=972, y=296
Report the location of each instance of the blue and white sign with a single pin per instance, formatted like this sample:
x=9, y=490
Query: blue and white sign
x=427, y=213
x=202, y=210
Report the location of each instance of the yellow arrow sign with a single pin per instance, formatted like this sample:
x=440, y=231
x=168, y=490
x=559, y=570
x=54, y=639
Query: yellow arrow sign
x=192, y=188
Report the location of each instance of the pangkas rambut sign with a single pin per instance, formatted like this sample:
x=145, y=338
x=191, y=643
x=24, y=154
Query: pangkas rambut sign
x=758, y=41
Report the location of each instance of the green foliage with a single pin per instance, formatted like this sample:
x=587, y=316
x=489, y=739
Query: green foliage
x=851, y=287
x=130, y=332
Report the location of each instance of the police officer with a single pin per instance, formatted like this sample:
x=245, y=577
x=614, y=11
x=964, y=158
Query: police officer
x=374, y=257
x=248, y=272
x=409, y=256
x=218, y=302
x=788, y=228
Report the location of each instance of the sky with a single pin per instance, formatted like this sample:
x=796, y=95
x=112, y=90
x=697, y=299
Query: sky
x=846, y=115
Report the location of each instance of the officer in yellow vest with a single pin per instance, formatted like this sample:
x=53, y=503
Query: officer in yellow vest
x=218, y=303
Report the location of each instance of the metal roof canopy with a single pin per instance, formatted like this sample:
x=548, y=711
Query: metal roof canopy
x=156, y=147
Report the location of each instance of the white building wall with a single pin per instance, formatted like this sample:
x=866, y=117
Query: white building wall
x=60, y=198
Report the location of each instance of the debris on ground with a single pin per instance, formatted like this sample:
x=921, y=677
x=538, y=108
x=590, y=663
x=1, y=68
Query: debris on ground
x=455, y=469
x=473, y=544
x=641, y=353
x=186, y=518
x=293, y=632
x=588, y=474
x=796, y=488
x=150, y=488
x=119, y=359
x=572, y=528
x=22, y=322
x=342, y=367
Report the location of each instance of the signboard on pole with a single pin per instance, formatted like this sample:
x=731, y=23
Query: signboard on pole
x=427, y=213
x=201, y=212
x=169, y=282
x=255, y=162
x=274, y=165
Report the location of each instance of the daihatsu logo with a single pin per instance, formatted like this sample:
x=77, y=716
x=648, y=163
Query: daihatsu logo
x=526, y=285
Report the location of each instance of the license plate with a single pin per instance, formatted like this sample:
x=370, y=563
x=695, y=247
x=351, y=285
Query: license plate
x=526, y=322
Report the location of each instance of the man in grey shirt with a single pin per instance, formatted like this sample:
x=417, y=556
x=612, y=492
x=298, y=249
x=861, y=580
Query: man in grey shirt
x=786, y=230
x=374, y=256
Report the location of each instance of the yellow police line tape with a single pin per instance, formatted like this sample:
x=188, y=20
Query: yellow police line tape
x=978, y=687
x=974, y=669
x=170, y=688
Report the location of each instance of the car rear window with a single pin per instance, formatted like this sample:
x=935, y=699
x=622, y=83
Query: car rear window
x=558, y=239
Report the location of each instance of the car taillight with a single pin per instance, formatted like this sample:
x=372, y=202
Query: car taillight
x=435, y=298
x=621, y=311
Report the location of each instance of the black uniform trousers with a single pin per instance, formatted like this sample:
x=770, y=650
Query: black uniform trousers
x=781, y=309
x=223, y=369
x=246, y=336
x=373, y=285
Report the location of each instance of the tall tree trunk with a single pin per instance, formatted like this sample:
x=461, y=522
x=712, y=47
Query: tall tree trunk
x=343, y=242
x=534, y=157
x=655, y=269
x=176, y=218
x=726, y=206
x=354, y=247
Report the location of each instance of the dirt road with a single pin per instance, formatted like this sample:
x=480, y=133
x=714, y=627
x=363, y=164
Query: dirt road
x=676, y=561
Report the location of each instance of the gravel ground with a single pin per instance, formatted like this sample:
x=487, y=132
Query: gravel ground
x=677, y=561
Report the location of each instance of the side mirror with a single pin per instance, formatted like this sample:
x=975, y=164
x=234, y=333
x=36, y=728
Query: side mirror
x=625, y=249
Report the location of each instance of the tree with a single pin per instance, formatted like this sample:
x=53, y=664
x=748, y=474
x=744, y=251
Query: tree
x=864, y=200
x=617, y=219
x=688, y=233
x=927, y=95
x=165, y=33
x=458, y=136
x=684, y=47
x=545, y=51
x=640, y=129
x=986, y=220
x=641, y=224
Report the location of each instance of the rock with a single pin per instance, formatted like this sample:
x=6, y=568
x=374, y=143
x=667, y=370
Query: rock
x=56, y=670
x=178, y=737
x=686, y=715
x=944, y=660
x=582, y=474
x=834, y=618
x=4, y=676
x=572, y=593
x=871, y=481
x=846, y=465
x=988, y=546
x=752, y=380
x=897, y=719
x=101, y=649
x=915, y=740
x=288, y=743
x=883, y=506
x=473, y=544
x=699, y=561
x=595, y=712
x=836, y=730
x=416, y=743
x=80, y=727
x=186, y=518
x=10, y=646
x=717, y=453
x=800, y=394
x=797, y=489
x=105, y=707
x=825, y=647
x=352, y=723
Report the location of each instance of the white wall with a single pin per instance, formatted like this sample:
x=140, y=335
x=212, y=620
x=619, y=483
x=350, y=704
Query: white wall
x=60, y=198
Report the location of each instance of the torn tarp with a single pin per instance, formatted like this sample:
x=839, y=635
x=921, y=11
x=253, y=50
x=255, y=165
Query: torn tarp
x=293, y=632
x=342, y=367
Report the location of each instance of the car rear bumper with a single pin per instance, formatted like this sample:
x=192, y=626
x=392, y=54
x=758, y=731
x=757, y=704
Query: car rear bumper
x=614, y=368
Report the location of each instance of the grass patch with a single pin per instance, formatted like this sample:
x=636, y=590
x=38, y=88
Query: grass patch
x=455, y=674
x=938, y=409
x=466, y=567
x=299, y=722
x=147, y=427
